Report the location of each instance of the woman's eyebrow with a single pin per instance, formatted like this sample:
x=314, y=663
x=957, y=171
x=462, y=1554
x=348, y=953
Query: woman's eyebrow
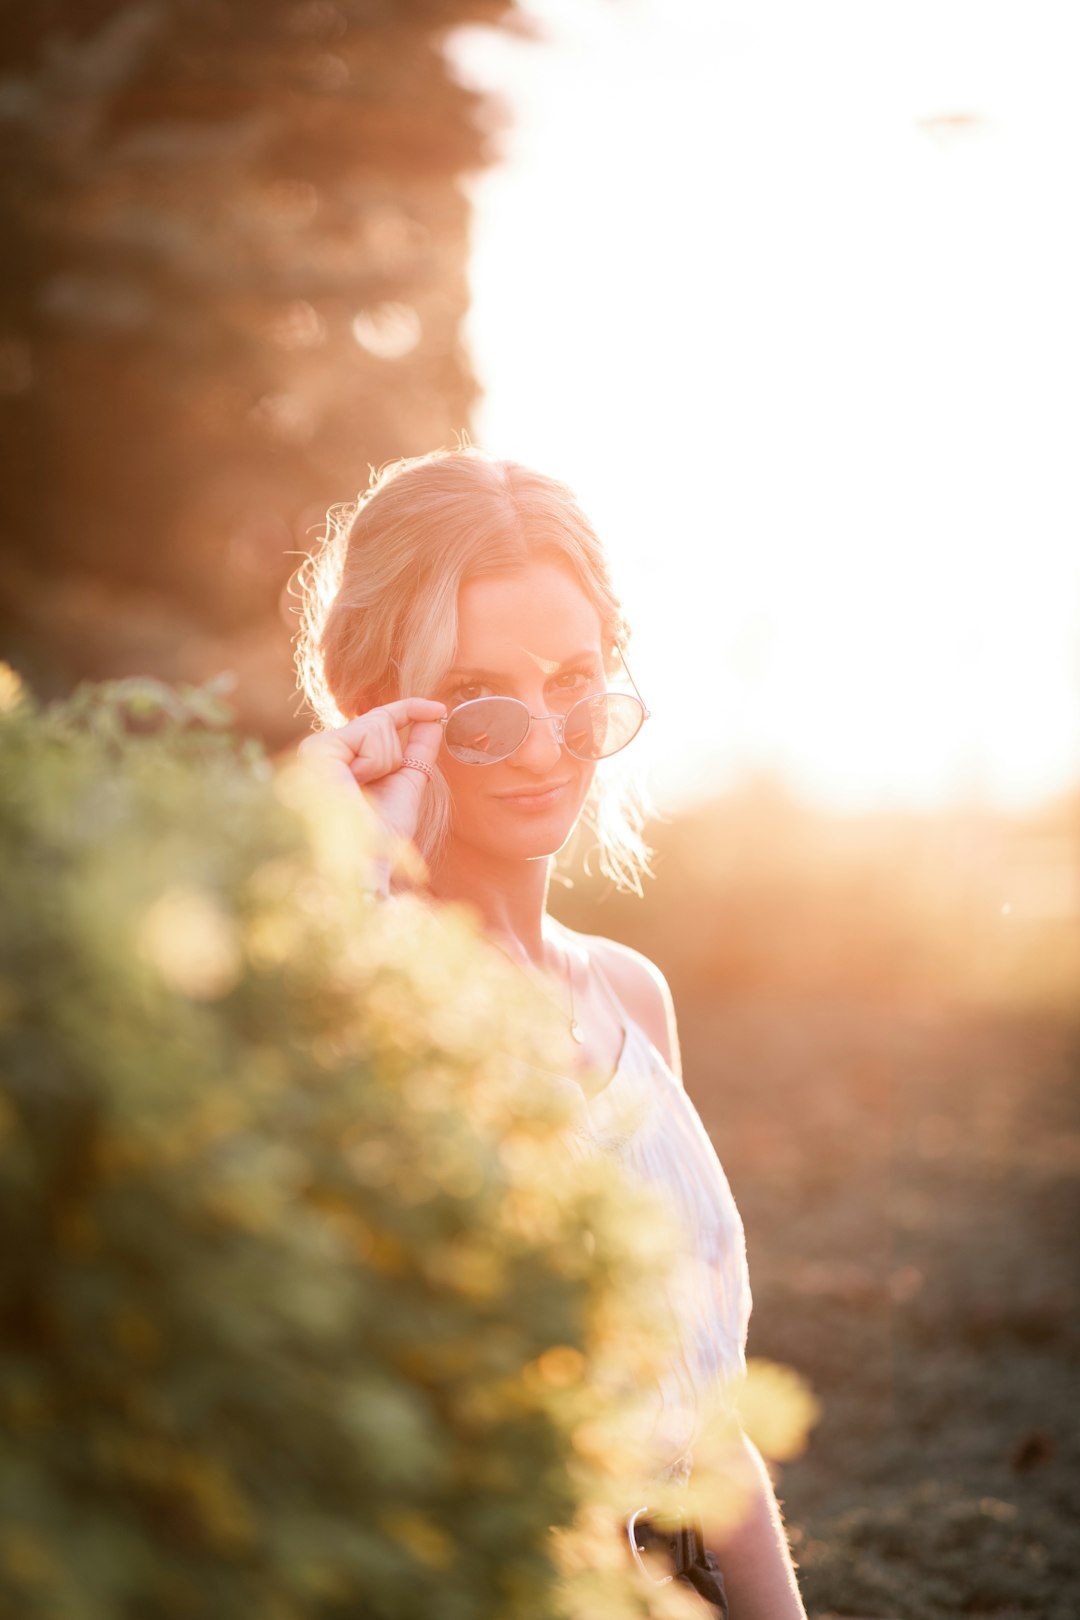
x=473, y=672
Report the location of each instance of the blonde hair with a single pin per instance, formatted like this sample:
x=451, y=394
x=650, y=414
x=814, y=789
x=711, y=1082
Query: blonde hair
x=379, y=607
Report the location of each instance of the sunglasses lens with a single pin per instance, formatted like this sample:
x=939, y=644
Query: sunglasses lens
x=601, y=725
x=486, y=730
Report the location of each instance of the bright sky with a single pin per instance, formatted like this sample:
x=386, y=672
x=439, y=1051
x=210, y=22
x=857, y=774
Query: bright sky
x=813, y=365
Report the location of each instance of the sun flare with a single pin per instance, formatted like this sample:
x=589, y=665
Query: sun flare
x=802, y=333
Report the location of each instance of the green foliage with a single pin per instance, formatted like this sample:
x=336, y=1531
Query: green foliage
x=307, y=1309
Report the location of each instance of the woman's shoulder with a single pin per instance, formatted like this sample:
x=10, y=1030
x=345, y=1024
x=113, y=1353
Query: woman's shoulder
x=641, y=988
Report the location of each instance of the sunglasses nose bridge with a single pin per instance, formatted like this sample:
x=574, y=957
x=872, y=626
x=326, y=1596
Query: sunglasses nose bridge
x=534, y=719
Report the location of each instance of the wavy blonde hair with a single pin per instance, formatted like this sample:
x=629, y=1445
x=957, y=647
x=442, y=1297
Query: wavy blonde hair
x=379, y=600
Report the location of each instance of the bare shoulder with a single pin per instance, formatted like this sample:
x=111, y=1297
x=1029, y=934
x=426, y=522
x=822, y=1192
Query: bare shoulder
x=643, y=991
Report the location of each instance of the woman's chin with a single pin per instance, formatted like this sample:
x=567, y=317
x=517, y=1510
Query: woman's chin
x=535, y=844
x=524, y=838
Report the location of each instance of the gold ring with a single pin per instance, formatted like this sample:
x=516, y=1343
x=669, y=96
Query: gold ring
x=417, y=765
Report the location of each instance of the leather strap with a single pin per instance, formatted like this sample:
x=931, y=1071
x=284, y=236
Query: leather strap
x=693, y=1564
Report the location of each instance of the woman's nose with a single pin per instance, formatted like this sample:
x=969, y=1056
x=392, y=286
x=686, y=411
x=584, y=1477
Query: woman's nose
x=542, y=747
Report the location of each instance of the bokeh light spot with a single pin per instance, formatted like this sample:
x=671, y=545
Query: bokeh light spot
x=387, y=331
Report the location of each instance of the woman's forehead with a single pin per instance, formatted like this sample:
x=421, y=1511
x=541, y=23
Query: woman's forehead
x=536, y=618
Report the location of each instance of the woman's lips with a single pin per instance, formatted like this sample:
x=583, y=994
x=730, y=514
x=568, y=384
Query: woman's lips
x=533, y=801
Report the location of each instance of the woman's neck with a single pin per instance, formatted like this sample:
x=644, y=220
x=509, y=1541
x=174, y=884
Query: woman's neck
x=510, y=899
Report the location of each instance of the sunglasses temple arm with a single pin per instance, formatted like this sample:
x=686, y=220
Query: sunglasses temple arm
x=632, y=681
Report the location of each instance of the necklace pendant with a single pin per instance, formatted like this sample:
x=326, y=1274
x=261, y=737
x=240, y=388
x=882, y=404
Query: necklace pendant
x=576, y=1032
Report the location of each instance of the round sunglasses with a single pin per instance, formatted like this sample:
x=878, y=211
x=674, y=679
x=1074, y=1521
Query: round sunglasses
x=484, y=731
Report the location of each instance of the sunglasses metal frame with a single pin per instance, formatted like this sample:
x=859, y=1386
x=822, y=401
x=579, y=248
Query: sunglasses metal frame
x=559, y=719
x=631, y=1526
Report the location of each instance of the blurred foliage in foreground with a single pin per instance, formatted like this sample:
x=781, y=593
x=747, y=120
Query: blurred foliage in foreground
x=307, y=1310
x=234, y=273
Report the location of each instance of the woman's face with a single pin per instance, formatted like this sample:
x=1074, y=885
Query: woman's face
x=532, y=635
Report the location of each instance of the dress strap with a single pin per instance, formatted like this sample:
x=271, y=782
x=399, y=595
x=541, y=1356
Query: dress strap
x=629, y=1024
x=593, y=960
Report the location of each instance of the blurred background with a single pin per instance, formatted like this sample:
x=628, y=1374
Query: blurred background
x=787, y=292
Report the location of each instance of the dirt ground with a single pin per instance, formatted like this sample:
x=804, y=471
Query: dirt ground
x=910, y=1185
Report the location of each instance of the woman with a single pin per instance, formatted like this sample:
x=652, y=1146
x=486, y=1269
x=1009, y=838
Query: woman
x=460, y=637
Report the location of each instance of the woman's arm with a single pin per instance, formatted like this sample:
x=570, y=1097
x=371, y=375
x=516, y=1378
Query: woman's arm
x=754, y=1557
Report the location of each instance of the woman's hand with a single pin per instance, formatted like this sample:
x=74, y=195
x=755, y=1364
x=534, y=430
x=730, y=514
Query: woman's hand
x=366, y=754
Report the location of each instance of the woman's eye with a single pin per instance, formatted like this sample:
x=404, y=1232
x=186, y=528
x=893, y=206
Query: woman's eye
x=573, y=679
x=466, y=692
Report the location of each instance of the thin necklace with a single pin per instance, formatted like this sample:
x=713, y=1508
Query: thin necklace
x=576, y=1032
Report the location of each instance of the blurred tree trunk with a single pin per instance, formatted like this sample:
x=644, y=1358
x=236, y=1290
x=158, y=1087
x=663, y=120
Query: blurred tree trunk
x=234, y=275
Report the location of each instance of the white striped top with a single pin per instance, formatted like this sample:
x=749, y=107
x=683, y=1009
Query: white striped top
x=645, y=1120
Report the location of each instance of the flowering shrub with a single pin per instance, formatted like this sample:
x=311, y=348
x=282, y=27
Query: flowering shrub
x=307, y=1309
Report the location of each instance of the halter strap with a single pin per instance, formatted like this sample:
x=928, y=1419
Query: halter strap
x=625, y=1021
x=624, y=1016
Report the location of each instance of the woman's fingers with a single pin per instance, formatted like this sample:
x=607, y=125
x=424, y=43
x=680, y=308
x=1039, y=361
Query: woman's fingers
x=369, y=754
x=424, y=741
x=373, y=744
x=378, y=748
x=403, y=712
